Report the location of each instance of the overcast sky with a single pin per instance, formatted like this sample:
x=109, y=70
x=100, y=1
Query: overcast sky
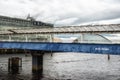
x=64, y=12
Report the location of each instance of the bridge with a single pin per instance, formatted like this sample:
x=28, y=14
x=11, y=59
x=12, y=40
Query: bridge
x=113, y=49
x=35, y=29
x=109, y=28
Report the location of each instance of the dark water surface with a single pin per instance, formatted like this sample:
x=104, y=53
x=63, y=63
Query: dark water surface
x=65, y=66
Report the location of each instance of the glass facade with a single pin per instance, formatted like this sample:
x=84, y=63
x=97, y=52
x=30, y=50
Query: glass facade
x=27, y=38
x=93, y=38
x=11, y=24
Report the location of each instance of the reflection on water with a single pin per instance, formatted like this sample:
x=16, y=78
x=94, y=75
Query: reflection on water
x=24, y=73
x=65, y=66
x=78, y=66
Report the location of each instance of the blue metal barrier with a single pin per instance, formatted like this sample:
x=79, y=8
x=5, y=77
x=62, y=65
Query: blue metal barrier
x=64, y=47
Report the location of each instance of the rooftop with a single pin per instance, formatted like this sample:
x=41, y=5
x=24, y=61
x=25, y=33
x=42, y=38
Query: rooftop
x=17, y=22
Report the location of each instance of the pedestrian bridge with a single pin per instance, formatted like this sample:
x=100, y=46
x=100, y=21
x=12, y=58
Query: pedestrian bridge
x=113, y=49
x=109, y=28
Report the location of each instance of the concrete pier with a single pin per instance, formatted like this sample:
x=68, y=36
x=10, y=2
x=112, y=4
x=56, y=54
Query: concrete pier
x=14, y=64
x=37, y=63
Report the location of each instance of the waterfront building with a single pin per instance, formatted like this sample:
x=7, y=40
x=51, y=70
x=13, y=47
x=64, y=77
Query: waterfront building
x=8, y=24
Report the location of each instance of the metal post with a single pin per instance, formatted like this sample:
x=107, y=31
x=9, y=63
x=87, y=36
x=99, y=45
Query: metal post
x=81, y=37
x=108, y=56
x=26, y=38
x=9, y=38
x=51, y=38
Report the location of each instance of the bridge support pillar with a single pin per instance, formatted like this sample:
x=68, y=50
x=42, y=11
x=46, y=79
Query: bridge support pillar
x=14, y=65
x=37, y=64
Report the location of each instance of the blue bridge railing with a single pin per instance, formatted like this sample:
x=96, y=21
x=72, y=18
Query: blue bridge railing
x=64, y=47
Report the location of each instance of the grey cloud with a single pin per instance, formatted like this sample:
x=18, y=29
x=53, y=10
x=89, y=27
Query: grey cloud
x=110, y=1
x=105, y=15
x=44, y=10
x=97, y=16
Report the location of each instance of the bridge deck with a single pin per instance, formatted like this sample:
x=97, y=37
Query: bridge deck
x=111, y=28
x=64, y=47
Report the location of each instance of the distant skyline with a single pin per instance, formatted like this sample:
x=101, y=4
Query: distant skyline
x=64, y=12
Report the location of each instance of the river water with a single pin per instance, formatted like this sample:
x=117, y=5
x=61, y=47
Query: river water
x=65, y=66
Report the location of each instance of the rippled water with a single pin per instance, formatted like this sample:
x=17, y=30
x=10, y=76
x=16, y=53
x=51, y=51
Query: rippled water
x=25, y=73
x=64, y=66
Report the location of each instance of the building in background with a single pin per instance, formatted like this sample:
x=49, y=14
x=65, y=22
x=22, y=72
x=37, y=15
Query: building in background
x=8, y=24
